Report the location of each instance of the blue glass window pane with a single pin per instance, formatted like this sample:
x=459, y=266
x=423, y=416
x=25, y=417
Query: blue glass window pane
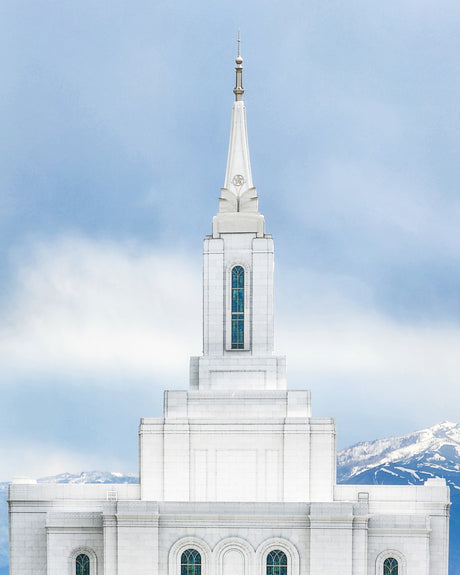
x=240, y=331
x=390, y=566
x=82, y=565
x=276, y=563
x=190, y=562
x=237, y=307
x=237, y=277
x=239, y=300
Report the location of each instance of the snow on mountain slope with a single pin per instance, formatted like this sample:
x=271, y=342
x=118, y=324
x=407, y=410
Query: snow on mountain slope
x=437, y=447
x=91, y=477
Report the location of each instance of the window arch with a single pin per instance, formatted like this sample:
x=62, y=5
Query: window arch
x=82, y=564
x=82, y=561
x=237, y=307
x=184, y=545
x=276, y=563
x=390, y=562
x=390, y=566
x=190, y=562
x=231, y=550
x=278, y=545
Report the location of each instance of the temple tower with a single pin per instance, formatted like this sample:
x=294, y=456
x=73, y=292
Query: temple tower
x=237, y=434
x=238, y=279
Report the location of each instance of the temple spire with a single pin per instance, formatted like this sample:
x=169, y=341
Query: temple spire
x=238, y=203
x=239, y=90
x=238, y=177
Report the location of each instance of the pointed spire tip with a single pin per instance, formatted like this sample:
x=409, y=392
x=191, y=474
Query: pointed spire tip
x=239, y=90
x=239, y=59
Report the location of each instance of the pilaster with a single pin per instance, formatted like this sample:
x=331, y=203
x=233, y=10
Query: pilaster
x=109, y=523
x=137, y=534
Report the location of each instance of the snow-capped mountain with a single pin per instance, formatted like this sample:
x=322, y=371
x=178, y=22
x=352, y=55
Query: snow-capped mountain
x=411, y=459
x=402, y=460
x=91, y=477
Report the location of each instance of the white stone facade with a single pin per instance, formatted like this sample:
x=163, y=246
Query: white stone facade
x=237, y=467
x=351, y=535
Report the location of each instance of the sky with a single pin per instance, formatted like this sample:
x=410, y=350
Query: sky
x=115, y=121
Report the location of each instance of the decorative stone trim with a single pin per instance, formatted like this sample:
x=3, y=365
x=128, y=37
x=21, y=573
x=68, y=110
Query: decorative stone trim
x=92, y=559
x=231, y=544
x=180, y=546
x=380, y=560
x=271, y=544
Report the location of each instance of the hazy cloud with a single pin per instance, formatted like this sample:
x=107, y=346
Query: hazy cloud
x=85, y=308
x=82, y=306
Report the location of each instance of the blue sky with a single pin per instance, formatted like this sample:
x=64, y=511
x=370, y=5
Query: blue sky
x=115, y=121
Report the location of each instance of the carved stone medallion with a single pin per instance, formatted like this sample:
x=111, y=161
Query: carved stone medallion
x=238, y=180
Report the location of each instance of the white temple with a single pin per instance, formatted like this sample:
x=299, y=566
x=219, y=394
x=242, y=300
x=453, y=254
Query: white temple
x=237, y=477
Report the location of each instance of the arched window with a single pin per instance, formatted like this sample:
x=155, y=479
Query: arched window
x=390, y=566
x=190, y=562
x=82, y=564
x=276, y=563
x=237, y=307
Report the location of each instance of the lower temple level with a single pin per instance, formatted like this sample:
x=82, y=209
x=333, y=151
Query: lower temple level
x=108, y=530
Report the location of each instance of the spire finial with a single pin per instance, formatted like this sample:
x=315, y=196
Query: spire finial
x=239, y=90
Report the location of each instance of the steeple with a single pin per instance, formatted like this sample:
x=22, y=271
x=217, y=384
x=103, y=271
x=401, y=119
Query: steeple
x=238, y=196
x=238, y=330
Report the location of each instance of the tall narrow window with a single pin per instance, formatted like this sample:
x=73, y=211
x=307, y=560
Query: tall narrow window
x=237, y=307
x=190, y=562
x=82, y=564
x=276, y=563
x=390, y=566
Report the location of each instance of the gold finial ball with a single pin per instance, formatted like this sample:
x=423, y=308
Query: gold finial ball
x=239, y=60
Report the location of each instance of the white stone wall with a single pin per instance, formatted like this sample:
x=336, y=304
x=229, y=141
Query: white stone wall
x=412, y=521
x=147, y=538
x=28, y=539
x=238, y=446
x=254, y=367
x=213, y=297
x=68, y=535
x=50, y=524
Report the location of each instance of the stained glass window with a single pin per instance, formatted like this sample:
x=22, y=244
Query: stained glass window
x=190, y=562
x=82, y=564
x=390, y=566
x=237, y=307
x=276, y=563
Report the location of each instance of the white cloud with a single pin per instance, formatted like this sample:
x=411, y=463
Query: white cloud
x=333, y=327
x=104, y=308
x=368, y=345
x=82, y=305
x=364, y=367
